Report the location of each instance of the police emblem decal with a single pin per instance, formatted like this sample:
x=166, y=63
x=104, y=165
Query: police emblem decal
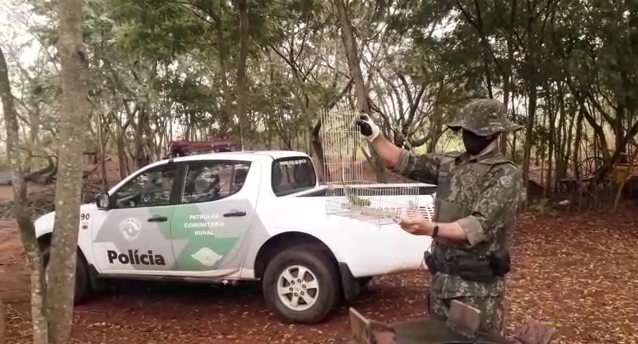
x=130, y=229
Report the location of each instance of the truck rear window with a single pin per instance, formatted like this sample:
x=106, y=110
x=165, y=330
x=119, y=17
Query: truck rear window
x=290, y=175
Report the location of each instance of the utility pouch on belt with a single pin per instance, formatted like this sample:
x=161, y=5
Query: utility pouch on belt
x=471, y=267
x=474, y=268
x=500, y=262
x=429, y=262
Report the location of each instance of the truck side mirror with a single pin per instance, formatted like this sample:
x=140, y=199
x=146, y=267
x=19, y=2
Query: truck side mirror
x=103, y=201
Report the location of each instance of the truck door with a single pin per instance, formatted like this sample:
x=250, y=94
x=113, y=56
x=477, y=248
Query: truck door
x=133, y=236
x=212, y=221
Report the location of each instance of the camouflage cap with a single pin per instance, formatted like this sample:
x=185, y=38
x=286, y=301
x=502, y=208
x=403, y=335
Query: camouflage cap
x=484, y=117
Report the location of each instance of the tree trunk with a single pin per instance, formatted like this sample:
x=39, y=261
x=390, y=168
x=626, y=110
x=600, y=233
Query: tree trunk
x=20, y=210
x=102, y=152
x=2, y=323
x=531, y=113
x=363, y=103
x=317, y=151
x=138, y=133
x=222, y=50
x=619, y=131
x=566, y=137
x=121, y=154
x=532, y=93
x=68, y=185
x=242, y=86
x=508, y=85
x=630, y=166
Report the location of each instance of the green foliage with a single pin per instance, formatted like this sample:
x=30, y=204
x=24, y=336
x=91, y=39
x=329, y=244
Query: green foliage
x=156, y=64
x=159, y=29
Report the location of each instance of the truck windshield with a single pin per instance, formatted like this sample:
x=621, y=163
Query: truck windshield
x=291, y=175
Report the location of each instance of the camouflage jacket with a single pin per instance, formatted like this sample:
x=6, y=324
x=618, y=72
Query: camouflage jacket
x=482, y=195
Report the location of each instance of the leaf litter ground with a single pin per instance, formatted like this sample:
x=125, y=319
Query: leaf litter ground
x=577, y=272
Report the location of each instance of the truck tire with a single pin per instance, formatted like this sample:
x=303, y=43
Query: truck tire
x=301, y=285
x=82, y=284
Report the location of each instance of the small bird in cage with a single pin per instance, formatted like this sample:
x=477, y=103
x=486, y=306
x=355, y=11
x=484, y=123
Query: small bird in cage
x=358, y=201
x=354, y=199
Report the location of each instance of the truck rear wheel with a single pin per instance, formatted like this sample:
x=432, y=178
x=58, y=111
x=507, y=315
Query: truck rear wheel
x=301, y=285
x=82, y=283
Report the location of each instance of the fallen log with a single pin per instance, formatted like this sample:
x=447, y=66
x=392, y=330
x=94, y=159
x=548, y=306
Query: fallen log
x=42, y=176
x=42, y=200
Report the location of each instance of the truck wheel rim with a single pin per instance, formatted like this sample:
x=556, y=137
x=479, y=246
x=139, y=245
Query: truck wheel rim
x=298, y=288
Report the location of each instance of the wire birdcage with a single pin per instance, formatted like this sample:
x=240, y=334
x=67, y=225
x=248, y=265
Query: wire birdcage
x=349, y=191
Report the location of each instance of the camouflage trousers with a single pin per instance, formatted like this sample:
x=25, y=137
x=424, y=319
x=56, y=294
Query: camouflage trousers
x=492, y=309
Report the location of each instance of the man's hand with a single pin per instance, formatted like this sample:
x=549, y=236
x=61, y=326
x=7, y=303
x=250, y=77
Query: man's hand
x=413, y=222
x=366, y=127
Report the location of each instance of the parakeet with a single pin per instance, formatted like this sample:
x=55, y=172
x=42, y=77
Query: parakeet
x=356, y=200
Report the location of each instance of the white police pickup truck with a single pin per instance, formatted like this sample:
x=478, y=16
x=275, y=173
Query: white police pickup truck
x=233, y=216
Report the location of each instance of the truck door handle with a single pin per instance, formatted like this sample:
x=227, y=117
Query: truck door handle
x=157, y=219
x=235, y=213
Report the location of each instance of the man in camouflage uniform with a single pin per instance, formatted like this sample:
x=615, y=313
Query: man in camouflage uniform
x=478, y=193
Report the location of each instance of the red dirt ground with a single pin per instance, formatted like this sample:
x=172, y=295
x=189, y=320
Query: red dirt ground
x=576, y=272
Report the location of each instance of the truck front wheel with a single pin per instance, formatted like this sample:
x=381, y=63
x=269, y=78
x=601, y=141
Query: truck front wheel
x=301, y=285
x=82, y=283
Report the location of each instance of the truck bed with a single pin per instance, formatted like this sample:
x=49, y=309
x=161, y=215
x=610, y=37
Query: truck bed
x=377, y=246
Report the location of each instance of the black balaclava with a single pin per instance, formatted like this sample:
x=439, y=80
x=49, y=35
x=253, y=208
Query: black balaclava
x=474, y=144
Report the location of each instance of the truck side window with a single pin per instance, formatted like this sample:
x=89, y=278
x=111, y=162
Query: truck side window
x=149, y=189
x=291, y=175
x=207, y=182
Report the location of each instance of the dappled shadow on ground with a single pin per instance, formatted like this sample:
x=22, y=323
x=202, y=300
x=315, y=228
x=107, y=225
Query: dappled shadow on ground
x=576, y=272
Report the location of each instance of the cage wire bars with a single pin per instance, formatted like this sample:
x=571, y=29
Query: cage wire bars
x=349, y=193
